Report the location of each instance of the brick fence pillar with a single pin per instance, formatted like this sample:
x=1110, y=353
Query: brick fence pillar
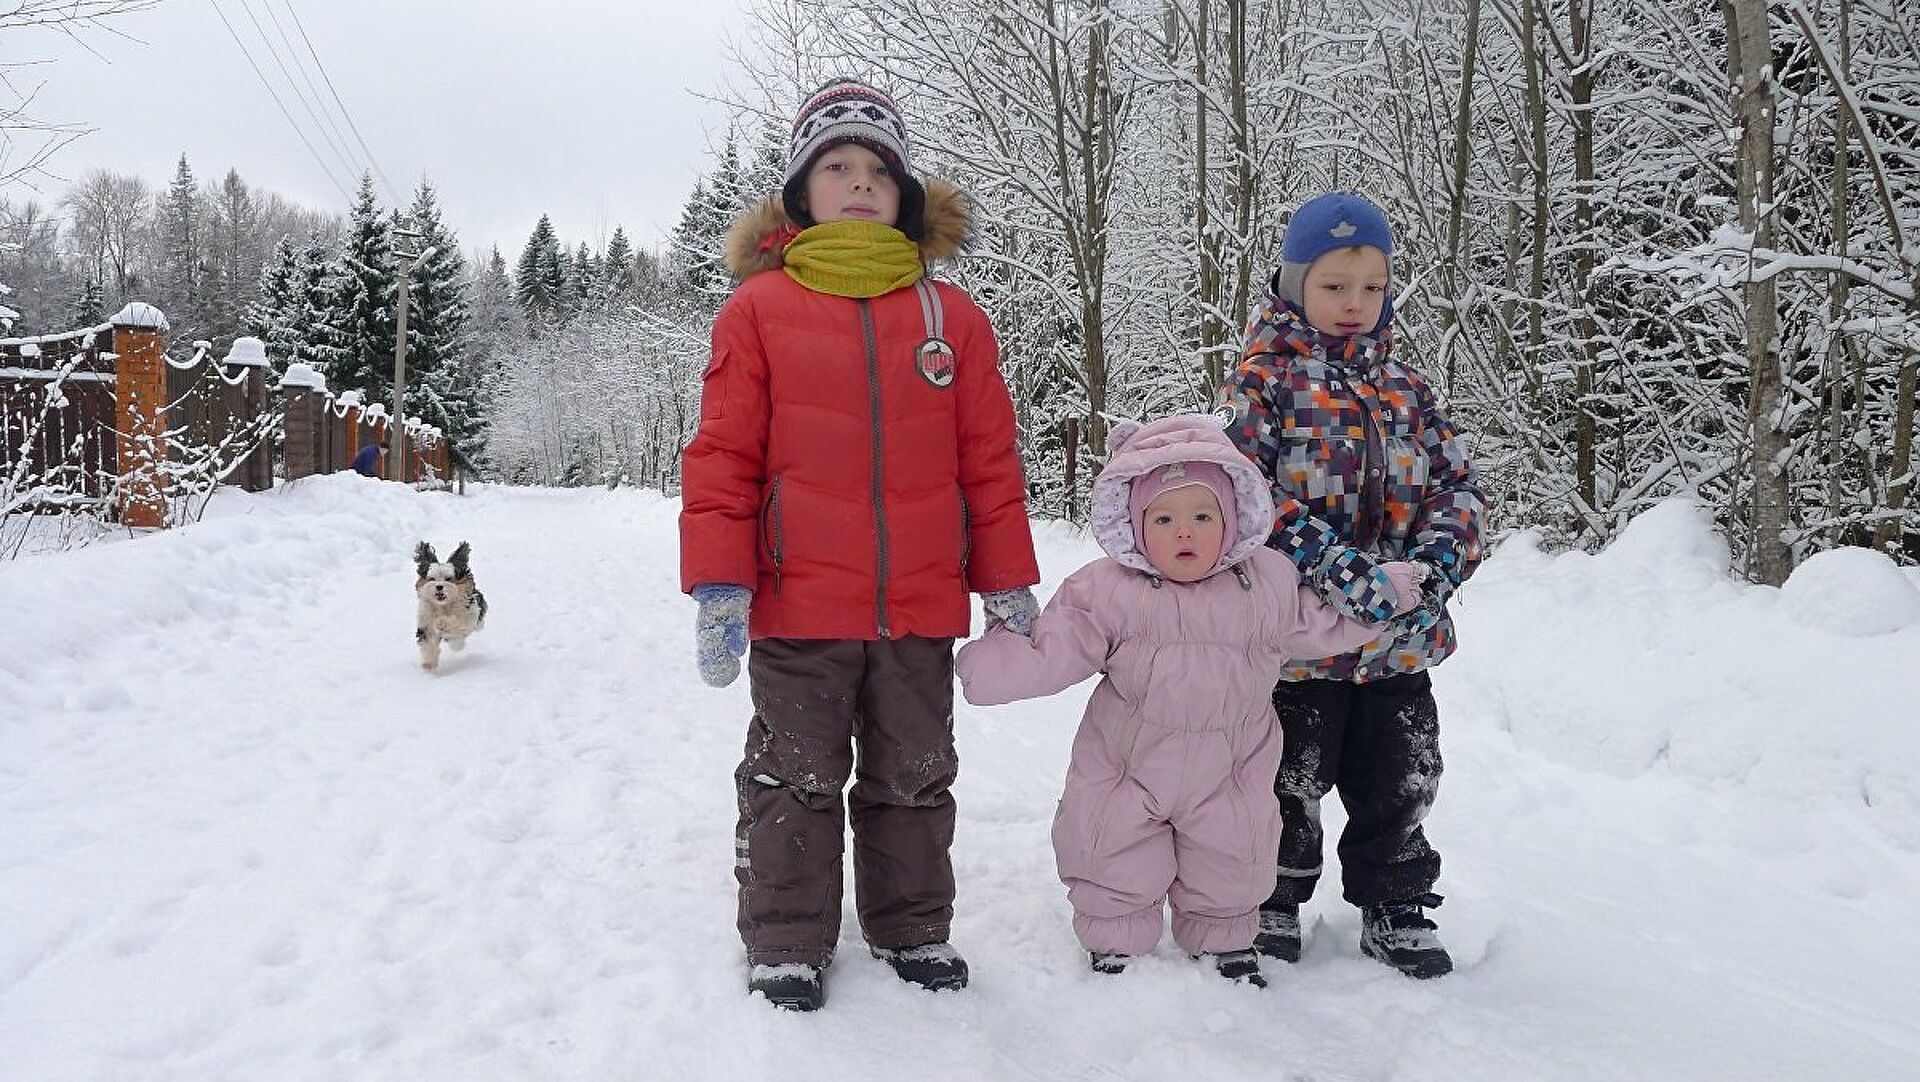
x=139, y=417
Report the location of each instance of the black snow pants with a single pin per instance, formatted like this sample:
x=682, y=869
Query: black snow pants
x=1379, y=744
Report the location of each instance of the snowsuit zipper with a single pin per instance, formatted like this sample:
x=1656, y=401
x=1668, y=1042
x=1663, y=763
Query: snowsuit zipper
x=879, y=473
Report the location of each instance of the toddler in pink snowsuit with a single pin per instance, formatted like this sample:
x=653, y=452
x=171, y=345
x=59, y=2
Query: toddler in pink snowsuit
x=1191, y=618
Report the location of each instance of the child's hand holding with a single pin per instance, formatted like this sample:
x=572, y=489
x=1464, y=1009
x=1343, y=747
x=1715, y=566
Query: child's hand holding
x=1407, y=577
x=1016, y=608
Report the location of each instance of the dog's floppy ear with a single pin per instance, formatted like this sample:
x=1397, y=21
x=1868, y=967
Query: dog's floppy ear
x=423, y=558
x=459, y=560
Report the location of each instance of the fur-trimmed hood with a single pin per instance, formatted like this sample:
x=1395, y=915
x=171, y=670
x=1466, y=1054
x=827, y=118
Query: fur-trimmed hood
x=754, y=244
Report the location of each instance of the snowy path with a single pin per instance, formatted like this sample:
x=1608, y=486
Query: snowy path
x=246, y=838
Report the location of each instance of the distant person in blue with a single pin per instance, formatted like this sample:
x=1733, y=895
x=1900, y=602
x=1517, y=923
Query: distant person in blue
x=371, y=461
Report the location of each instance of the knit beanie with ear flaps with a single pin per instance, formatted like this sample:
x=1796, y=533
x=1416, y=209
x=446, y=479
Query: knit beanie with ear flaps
x=849, y=111
x=1324, y=224
x=1150, y=485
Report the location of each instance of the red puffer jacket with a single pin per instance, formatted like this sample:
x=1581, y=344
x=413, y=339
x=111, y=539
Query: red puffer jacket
x=858, y=495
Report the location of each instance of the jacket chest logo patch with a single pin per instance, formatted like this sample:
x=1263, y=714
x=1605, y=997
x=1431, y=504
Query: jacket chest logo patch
x=934, y=360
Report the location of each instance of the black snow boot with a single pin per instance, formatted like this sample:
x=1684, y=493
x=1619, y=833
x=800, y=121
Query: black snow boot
x=1399, y=934
x=1279, y=935
x=793, y=987
x=1240, y=967
x=934, y=966
x=1105, y=962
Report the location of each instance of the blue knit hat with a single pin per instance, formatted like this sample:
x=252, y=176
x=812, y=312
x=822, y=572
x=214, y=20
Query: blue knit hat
x=1328, y=223
x=1334, y=220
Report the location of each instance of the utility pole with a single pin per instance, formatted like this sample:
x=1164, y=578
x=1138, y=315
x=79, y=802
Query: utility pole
x=397, y=428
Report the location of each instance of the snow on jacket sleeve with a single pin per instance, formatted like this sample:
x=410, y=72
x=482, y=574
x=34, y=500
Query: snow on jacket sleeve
x=1446, y=528
x=1069, y=644
x=1000, y=539
x=724, y=468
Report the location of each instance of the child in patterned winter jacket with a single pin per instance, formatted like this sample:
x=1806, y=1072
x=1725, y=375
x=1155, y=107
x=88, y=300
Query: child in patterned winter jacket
x=1169, y=796
x=1365, y=468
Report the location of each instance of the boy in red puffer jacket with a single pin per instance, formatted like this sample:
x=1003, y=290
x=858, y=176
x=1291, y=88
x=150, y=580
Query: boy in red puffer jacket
x=853, y=478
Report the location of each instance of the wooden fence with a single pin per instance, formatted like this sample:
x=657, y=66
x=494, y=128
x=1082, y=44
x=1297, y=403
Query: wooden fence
x=56, y=419
x=103, y=418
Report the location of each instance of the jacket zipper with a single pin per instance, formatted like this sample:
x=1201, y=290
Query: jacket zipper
x=1372, y=479
x=774, y=535
x=878, y=472
x=966, y=536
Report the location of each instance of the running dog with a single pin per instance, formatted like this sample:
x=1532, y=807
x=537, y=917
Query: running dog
x=451, y=606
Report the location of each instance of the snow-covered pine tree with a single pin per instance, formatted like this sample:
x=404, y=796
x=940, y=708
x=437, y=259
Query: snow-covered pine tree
x=694, y=251
x=268, y=318
x=89, y=308
x=537, y=282
x=312, y=319
x=617, y=268
x=439, y=389
x=583, y=279
x=234, y=256
x=180, y=242
x=363, y=297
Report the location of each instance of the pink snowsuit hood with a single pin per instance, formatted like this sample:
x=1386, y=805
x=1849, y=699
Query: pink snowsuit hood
x=1135, y=449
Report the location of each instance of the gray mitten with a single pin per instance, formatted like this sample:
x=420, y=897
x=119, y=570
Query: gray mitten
x=720, y=631
x=1016, y=608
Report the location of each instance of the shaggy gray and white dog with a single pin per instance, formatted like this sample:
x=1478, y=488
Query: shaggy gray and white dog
x=451, y=606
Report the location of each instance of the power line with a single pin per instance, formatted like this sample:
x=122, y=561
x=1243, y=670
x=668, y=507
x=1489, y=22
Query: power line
x=355, y=128
x=302, y=69
x=345, y=157
x=297, y=130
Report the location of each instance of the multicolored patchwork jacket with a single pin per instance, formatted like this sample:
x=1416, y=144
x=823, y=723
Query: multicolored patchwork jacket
x=1366, y=468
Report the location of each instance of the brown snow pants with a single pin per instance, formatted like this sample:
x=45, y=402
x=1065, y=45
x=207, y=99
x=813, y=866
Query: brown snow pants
x=815, y=702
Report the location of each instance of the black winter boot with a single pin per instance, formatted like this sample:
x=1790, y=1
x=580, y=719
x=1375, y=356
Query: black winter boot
x=1106, y=962
x=1240, y=967
x=793, y=987
x=1399, y=934
x=934, y=966
x=1279, y=935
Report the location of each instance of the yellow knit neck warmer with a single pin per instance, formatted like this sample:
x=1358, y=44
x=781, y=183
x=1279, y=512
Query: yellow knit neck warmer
x=853, y=258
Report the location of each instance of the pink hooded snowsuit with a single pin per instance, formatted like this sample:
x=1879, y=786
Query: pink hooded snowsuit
x=1170, y=790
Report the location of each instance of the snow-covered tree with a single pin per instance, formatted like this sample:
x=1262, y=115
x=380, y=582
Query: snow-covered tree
x=616, y=279
x=539, y=281
x=179, y=240
x=440, y=387
x=235, y=253
x=362, y=299
x=89, y=307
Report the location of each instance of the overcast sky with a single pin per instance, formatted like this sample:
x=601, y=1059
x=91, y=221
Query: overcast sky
x=582, y=109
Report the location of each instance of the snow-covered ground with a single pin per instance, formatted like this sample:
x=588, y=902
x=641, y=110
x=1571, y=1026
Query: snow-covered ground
x=243, y=836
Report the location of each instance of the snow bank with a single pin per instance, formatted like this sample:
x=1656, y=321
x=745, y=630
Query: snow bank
x=1851, y=592
x=1652, y=654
